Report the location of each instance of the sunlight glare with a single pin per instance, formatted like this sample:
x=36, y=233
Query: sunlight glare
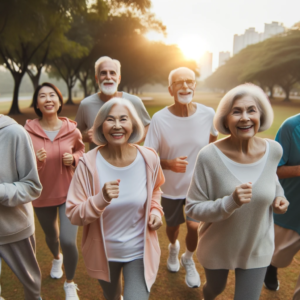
x=192, y=46
x=153, y=35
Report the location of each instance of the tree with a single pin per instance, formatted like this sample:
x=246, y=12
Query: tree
x=19, y=43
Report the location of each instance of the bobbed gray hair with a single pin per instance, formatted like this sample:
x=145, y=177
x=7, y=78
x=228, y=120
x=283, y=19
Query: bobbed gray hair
x=138, y=127
x=247, y=89
x=103, y=59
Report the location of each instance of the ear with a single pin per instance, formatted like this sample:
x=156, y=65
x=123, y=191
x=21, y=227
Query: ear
x=96, y=78
x=119, y=79
x=171, y=91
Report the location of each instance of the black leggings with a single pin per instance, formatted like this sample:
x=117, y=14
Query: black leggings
x=248, y=283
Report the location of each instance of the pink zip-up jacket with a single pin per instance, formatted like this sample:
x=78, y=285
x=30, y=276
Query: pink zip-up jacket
x=54, y=175
x=85, y=206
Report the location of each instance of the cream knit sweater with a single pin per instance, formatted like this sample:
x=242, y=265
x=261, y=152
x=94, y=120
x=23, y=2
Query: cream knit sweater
x=231, y=236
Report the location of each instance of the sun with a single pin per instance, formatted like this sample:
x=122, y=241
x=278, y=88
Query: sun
x=192, y=46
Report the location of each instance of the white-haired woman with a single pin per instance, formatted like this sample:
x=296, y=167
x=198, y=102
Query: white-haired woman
x=234, y=192
x=115, y=195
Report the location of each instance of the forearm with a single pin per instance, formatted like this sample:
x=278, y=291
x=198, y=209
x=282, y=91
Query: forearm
x=165, y=164
x=288, y=171
x=85, y=137
x=212, y=138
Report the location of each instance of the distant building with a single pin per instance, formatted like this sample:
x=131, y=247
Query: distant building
x=205, y=65
x=252, y=37
x=223, y=57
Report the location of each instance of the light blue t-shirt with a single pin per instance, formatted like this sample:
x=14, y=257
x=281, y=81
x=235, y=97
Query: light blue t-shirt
x=288, y=136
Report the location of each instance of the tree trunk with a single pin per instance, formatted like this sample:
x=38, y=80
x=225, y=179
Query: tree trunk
x=287, y=93
x=69, y=102
x=14, y=109
x=35, y=82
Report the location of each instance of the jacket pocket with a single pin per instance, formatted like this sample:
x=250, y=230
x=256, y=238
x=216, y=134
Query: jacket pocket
x=94, y=255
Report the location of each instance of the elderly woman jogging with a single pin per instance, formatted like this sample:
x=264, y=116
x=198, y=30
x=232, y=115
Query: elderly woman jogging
x=234, y=192
x=115, y=195
x=58, y=146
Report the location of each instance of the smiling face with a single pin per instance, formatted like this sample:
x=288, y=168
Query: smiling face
x=183, y=86
x=117, y=127
x=243, y=120
x=108, y=78
x=48, y=101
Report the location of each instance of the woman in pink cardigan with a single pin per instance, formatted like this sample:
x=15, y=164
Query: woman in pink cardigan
x=58, y=146
x=115, y=195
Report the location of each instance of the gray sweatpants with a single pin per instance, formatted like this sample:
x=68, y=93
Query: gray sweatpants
x=66, y=235
x=20, y=257
x=135, y=286
x=248, y=283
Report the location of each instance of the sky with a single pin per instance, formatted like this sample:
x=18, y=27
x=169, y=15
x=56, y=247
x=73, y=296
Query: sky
x=199, y=25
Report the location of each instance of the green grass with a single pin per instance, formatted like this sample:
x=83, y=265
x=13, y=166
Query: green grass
x=167, y=285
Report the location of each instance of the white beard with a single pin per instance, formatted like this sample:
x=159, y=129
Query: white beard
x=187, y=98
x=108, y=90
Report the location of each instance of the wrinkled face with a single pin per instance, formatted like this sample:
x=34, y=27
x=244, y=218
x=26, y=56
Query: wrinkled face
x=108, y=78
x=183, y=86
x=48, y=101
x=243, y=120
x=117, y=127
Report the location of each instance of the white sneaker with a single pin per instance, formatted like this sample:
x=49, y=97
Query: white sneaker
x=71, y=291
x=173, y=264
x=192, y=278
x=56, y=270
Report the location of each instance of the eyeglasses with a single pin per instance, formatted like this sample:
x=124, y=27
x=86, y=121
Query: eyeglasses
x=190, y=83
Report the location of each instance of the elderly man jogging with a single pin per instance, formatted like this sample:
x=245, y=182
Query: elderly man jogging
x=178, y=133
x=108, y=76
x=19, y=185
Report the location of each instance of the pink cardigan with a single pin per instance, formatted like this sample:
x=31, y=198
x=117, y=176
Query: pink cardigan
x=85, y=206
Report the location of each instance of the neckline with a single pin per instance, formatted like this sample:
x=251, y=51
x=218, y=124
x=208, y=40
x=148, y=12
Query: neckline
x=264, y=157
x=184, y=118
x=232, y=175
x=119, y=168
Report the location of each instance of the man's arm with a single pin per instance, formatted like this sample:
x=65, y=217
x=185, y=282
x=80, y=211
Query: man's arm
x=212, y=138
x=177, y=165
x=288, y=171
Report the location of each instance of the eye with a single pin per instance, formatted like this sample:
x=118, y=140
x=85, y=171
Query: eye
x=235, y=112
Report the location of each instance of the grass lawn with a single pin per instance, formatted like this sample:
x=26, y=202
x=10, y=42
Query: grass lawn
x=167, y=285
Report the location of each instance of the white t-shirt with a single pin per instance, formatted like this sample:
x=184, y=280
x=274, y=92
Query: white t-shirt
x=51, y=134
x=173, y=136
x=124, y=218
x=245, y=172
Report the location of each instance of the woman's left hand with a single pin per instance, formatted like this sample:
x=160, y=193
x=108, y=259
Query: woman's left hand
x=68, y=159
x=280, y=205
x=155, y=222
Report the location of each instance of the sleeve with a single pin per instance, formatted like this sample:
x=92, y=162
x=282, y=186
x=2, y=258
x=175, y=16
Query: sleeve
x=156, y=208
x=153, y=137
x=279, y=189
x=81, y=207
x=142, y=111
x=28, y=187
x=213, y=130
x=284, y=138
x=198, y=204
x=80, y=120
x=79, y=147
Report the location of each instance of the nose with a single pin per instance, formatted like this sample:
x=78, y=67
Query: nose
x=244, y=116
x=117, y=124
x=185, y=85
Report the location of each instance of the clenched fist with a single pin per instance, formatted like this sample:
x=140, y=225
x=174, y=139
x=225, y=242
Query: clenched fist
x=280, y=205
x=41, y=154
x=178, y=164
x=110, y=190
x=154, y=222
x=243, y=193
x=68, y=159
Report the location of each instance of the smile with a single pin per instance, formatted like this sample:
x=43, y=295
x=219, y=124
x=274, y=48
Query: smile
x=117, y=135
x=245, y=128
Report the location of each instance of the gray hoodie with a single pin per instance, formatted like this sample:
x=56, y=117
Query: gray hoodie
x=19, y=182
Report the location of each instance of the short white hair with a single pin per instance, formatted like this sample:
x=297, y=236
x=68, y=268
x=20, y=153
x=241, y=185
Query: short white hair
x=247, y=89
x=103, y=59
x=138, y=129
x=178, y=69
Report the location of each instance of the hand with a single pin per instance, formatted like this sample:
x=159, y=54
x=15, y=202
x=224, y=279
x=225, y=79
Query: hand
x=242, y=194
x=178, y=164
x=68, y=159
x=41, y=154
x=110, y=190
x=90, y=134
x=155, y=222
x=280, y=205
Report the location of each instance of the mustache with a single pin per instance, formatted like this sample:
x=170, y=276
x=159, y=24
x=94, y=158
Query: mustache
x=185, y=91
x=108, y=81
